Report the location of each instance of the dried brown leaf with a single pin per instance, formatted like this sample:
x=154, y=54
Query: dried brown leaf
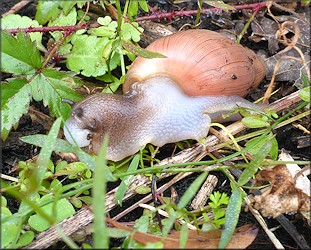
x=242, y=237
x=287, y=193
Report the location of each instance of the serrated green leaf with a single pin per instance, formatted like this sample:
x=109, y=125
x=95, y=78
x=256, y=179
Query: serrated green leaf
x=19, y=54
x=63, y=20
x=86, y=56
x=15, y=99
x=141, y=52
x=14, y=21
x=51, y=86
x=255, y=122
x=127, y=181
x=232, y=216
x=252, y=167
x=64, y=210
x=49, y=10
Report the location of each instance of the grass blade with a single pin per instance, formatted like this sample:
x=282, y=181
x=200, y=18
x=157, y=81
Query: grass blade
x=127, y=181
x=101, y=240
x=232, y=216
x=253, y=166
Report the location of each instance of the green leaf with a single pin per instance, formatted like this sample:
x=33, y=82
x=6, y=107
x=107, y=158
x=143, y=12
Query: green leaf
x=183, y=236
x=305, y=94
x=117, y=233
x=192, y=190
x=25, y=239
x=133, y=9
x=232, y=216
x=61, y=146
x=104, y=21
x=15, y=99
x=14, y=21
x=256, y=143
x=19, y=55
x=252, y=167
x=142, y=224
x=45, y=154
x=141, y=52
x=218, y=199
x=86, y=199
x=100, y=232
x=63, y=20
x=143, y=4
x=10, y=230
x=131, y=32
x=142, y=190
x=73, y=169
x=50, y=86
x=127, y=180
x=103, y=31
x=3, y=202
x=64, y=210
x=64, y=146
x=255, y=122
x=108, y=28
x=49, y=10
x=220, y=4
x=114, y=83
x=86, y=56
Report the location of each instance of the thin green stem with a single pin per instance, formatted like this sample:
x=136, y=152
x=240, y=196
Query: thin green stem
x=238, y=40
x=198, y=17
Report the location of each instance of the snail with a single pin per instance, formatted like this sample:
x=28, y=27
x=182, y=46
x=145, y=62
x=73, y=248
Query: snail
x=169, y=99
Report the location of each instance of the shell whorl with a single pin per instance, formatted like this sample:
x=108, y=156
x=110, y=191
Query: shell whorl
x=202, y=62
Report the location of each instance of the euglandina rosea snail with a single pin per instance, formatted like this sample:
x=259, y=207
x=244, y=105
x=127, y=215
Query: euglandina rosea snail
x=169, y=99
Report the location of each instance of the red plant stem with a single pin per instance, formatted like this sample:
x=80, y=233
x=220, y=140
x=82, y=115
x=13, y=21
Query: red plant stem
x=254, y=6
x=48, y=29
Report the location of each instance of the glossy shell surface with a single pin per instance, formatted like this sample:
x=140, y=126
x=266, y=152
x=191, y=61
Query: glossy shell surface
x=202, y=62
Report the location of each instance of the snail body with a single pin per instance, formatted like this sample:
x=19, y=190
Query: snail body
x=160, y=105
